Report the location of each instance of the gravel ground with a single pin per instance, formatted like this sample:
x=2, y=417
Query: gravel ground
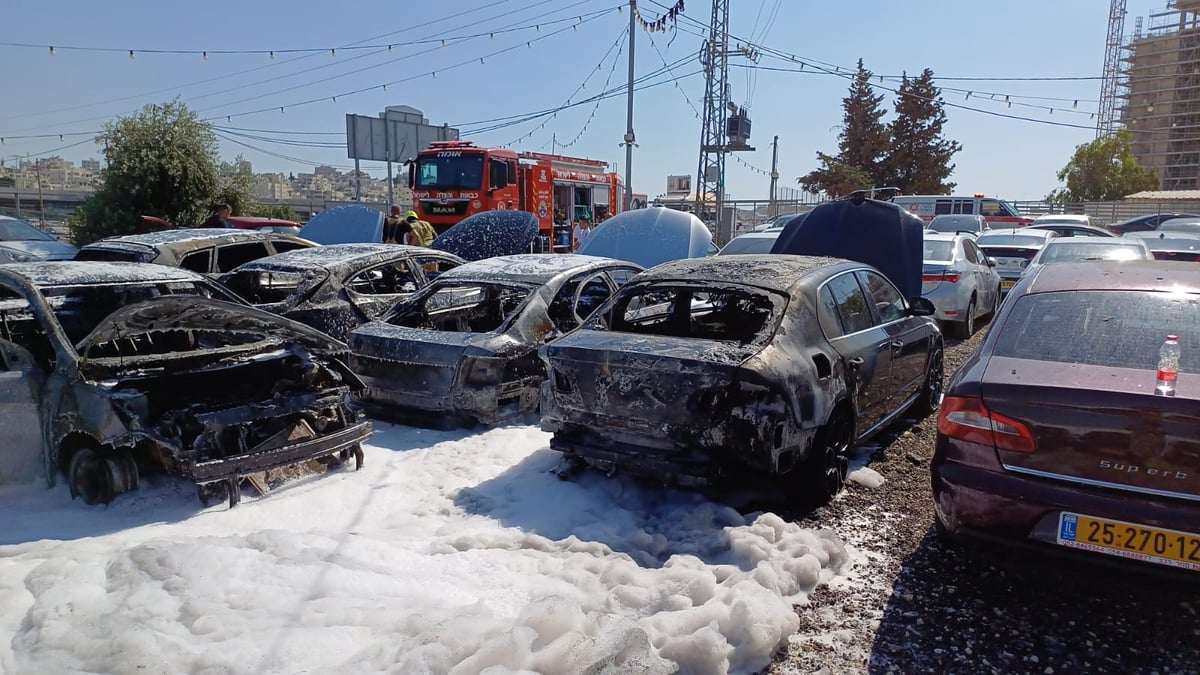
x=916, y=605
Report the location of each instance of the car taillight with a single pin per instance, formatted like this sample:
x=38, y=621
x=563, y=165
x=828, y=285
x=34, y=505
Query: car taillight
x=948, y=277
x=967, y=419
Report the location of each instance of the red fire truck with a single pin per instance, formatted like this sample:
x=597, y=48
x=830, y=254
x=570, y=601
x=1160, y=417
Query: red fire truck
x=455, y=179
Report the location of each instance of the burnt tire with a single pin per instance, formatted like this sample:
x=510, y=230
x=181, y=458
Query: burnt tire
x=97, y=477
x=966, y=328
x=213, y=493
x=822, y=476
x=929, y=399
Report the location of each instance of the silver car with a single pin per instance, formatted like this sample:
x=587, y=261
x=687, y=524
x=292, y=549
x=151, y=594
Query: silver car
x=960, y=281
x=973, y=225
x=1071, y=249
x=1012, y=249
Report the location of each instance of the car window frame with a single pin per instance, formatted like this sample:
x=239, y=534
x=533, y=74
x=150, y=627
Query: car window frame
x=841, y=319
x=416, y=275
x=861, y=275
x=206, y=251
x=217, y=249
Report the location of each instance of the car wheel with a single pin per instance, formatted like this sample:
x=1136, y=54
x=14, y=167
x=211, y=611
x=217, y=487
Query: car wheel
x=966, y=328
x=97, y=478
x=213, y=493
x=930, y=397
x=823, y=474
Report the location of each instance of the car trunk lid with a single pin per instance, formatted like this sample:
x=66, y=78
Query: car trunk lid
x=934, y=273
x=415, y=360
x=1100, y=425
x=1010, y=259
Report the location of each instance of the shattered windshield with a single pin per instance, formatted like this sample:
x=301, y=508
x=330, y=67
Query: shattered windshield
x=729, y=314
x=80, y=309
x=450, y=171
x=463, y=308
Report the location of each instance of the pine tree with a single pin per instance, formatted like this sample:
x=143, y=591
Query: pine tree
x=862, y=143
x=919, y=161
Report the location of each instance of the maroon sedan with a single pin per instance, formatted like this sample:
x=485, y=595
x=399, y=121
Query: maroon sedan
x=1051, y=433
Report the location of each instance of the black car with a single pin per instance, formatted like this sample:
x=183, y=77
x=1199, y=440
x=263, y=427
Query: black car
x=1146, y=223
x=339, y=287
x=701, y=369
x=465, y=349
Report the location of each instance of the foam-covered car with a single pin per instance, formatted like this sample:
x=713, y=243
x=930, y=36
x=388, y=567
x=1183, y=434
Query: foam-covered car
x=705, y=369
x=336, y=288
x=108, y=370
x=207, y=250
x=465, y=349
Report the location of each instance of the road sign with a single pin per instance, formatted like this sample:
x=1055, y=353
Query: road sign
x=396, y=135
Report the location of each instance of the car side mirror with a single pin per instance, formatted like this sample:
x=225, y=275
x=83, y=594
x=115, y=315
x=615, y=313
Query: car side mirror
x=921, y=306
x=991, y=262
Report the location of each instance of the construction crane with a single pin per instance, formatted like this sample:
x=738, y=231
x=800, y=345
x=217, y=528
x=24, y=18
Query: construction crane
x=1110, y=83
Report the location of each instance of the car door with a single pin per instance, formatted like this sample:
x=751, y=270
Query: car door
x=863, y=346
x=987, y=281
x=21, y=433
x=374, y=290
x=907, y=337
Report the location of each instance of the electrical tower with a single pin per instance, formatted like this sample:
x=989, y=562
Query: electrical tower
x=1106, y=120
x=724, y=127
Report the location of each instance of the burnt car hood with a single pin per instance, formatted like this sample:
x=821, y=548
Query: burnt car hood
x=649, y=237
x=384, y=341
x=489, y=235
x=345, y=225
x=193, y=313
x=875, y=233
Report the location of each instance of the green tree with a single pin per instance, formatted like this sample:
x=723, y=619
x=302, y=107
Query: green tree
x=279, y=211
x=1104, y=170
x=919, y=161
x=162, y=161
x=235, y=187
x=862, y=143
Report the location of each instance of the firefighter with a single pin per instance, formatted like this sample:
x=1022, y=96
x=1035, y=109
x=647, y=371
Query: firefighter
x=395, y=229
x=421, y=232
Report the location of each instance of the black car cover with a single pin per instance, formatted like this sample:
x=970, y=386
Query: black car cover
x=877, y=233
x=489, y=235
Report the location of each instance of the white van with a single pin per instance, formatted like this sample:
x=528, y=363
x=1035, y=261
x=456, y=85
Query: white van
x=998, y=212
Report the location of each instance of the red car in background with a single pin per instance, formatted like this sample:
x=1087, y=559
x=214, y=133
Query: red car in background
x=265, y=224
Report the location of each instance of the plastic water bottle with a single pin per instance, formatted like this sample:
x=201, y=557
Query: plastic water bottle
x=1168, y=367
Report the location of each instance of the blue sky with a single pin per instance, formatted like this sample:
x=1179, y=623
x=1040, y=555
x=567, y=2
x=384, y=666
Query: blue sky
x=76, y=91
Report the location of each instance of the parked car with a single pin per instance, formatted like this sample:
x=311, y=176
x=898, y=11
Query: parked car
x=648, y=237
x=18, y=235
x=778, y=222
x=13, y=255
x=1182, y=246
x=1074, y=249
x=1069, y=226
x=257, y=224
x=207, y=250
x=1050, y=434
x=960, y=281
x=1189, y=225
x=700, y=370
x=751, y=242
x=464, y=350
x=339, y=287
x=1012, y=250
x=108, y=370
x=1146, y=223
x=959, y=224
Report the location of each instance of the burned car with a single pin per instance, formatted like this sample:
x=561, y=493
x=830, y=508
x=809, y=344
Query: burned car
x=112, y=369
x=337, y=288
x=207, y=250
x=465, y=349
x=705, y=369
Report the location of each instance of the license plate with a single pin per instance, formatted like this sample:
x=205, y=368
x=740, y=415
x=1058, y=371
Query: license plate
x=1130, y=540
x=1007, y=283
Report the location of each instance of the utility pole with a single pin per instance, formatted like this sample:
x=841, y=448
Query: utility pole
x=629, y=136
x=716, y=138
x=773, y=206
x=37, y=168
x=1110, y=83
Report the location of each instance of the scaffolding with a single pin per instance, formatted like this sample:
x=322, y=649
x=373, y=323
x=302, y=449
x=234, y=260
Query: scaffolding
x=1161, y=96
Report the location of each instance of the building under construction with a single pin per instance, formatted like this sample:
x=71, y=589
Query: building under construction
x=1162, y=94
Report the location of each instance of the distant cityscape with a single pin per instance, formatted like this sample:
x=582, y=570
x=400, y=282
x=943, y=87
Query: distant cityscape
x=324, y=183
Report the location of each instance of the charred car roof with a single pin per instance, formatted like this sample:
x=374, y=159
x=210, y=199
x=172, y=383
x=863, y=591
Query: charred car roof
x=329, y=257
x=532, y=268
x=772, y=272
x=1129, y=275
x=195, y=234
x=73, y=273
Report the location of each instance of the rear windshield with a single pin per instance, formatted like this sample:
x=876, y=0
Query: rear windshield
x=938, y=250
x=1010, y=241
x=954, y=224
x=744, y=245
x=1066, y=252
x=463, y=308
x=266, y=287
x=111, y=255
x=1122, y=329
x=742, y=315
x=79, y=309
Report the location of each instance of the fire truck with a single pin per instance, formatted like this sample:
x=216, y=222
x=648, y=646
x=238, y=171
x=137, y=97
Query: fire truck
x=455, y=179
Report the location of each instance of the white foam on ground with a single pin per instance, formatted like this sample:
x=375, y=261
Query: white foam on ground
x=447, y=553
